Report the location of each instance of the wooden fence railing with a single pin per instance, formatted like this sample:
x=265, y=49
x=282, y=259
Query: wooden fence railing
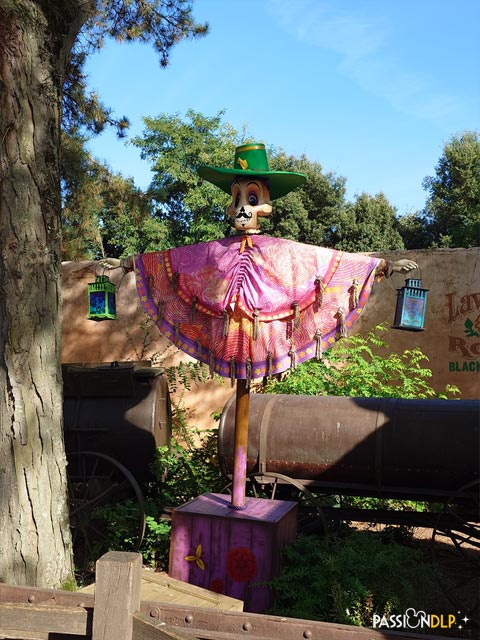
x=117, y=613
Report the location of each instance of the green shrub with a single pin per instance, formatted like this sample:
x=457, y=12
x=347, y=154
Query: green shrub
x=347, y=579
x=357, y=367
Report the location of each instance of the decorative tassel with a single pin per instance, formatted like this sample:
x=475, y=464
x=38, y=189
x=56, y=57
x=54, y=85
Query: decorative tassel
x=318, y=346
x=256, y=314
x=319, y=290
x=269, y=364
x=193, y=308
x=177, y=332
x=149, y=285
x=199, y=348
x=211, y=363
x=226, y=321
x=341, y=317
x=232, y=371
x=296, y=315
x=174, y=281
x=248, y=369
x=161, y=311
x=355, y=289
x=293, y=356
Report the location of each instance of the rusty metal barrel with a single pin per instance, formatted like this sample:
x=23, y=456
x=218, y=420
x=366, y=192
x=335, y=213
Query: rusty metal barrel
x=366, y=446
x=119, y=409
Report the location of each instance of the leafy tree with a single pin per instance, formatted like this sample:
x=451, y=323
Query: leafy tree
x=38, y=38
x=315, y=213
x=194, y=209
x=415, y=232
x=368, y=224
x=452, y=212
x=103, y=213
x=310, y=213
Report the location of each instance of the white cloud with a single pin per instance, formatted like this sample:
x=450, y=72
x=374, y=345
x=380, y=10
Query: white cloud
x=361, y=39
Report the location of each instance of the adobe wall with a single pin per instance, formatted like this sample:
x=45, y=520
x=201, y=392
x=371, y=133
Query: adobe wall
x=453, y=279
x=451, y=275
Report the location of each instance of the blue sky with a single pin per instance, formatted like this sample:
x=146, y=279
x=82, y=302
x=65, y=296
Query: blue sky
x=371, y=89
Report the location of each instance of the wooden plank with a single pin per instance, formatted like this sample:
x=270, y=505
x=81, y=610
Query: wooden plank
x=160, y=587
x=145, y=628
x=37, y=595
x=117, y=595
x=26, y=617
x=176, y=592
x=209, y=624
x=11, y=634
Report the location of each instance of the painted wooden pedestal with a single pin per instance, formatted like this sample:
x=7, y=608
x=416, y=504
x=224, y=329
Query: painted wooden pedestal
x=229, y=551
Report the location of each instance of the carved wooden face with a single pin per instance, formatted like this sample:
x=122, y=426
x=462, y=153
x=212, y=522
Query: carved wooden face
x=250, y=199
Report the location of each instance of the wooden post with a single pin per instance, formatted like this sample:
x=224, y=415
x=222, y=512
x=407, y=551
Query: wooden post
x=117, y=595
x=241, y=444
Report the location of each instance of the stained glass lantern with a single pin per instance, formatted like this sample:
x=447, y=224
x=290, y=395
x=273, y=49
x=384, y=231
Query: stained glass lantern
x=411, y=306
x=101, y=299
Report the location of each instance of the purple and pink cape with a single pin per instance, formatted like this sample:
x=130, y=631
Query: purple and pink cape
x=251, y=306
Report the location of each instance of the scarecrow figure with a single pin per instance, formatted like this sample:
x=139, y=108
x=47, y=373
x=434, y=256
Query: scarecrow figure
x=250, y=305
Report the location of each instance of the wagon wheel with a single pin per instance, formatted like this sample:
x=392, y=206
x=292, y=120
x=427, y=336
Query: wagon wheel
x=456, y=549
x=97, y=482
x=310, y=515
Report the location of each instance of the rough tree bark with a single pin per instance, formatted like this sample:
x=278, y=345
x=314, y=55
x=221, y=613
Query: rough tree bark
x=36, y=38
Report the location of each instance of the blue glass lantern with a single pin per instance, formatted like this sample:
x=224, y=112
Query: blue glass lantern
x=101, y=299
x=411, y=306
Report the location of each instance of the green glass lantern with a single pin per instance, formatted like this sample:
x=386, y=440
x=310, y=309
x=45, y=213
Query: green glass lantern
x=101, y=299
x=411, y=306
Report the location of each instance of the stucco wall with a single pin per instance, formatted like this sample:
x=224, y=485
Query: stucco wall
x=451, y=275
x=453, y=279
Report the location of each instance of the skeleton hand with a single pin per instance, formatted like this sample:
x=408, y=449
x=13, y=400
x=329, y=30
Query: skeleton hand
x=109, y=263
x=114, y=263
x=404, y=266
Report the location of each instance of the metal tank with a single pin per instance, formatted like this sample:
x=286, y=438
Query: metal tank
x=367, y=446
x=119, y=409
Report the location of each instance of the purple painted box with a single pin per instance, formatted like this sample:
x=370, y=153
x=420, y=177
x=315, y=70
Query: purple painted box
x=229, y=551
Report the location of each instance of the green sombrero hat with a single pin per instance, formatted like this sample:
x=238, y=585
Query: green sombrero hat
x=251, y=160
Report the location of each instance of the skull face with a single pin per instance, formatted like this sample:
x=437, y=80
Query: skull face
x=250, y=199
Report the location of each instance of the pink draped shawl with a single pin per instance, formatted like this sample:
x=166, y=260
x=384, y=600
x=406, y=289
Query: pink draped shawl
x=250, y=307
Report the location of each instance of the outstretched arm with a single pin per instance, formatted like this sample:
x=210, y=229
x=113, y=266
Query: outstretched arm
x=114, y=263
x=387, y=267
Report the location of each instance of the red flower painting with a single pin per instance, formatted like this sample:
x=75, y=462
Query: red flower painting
x=241, y=564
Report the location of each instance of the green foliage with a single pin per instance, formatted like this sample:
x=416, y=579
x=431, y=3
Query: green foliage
x=452, y=211
x=362, y=367
x=188, y=470
x=103, y=213
x=348, y=579
x=368, y=224
x=310, y=213
x=194, y=209
x=415, y=232
x=162, y=24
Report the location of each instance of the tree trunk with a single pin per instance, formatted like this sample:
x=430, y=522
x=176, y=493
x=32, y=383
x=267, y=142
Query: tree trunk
x=35, y=543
